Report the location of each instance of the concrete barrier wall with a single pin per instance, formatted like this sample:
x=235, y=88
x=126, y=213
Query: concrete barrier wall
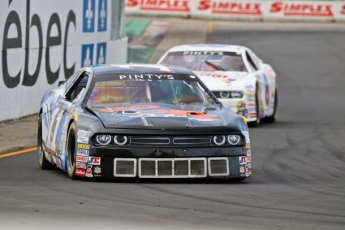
x=260, y=10
x=45, y=41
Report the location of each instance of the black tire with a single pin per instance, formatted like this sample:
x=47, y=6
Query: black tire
x=273, y=118
x=71, y=152
x=256, y=123
x=42, y=160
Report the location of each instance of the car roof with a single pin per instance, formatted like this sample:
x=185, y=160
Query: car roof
x=139, y=69
x=208, y=47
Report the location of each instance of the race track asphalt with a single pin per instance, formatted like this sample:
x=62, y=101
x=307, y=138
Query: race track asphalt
x=298, y=162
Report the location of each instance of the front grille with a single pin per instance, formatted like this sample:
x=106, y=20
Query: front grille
x=192, y=140
x=218, y=166
x=172, y=167
x=134, y=140
x=179, y=140
x=125, y=167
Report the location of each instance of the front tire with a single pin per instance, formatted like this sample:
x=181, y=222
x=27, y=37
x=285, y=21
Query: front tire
x=256, y=123
x=42, y=160
x=273, y=118
x=70, y=152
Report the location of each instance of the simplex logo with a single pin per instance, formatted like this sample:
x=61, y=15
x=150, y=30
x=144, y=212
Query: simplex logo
x=48, y=40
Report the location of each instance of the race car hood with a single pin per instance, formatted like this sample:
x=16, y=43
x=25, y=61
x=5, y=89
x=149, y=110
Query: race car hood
x=219, y=80
x=162, y=116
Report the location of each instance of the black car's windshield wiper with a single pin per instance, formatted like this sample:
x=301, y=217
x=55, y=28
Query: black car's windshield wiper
x=217, y=67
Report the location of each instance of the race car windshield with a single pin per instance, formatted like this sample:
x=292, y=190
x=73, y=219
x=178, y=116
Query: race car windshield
x=169, y=91
x=206, y=61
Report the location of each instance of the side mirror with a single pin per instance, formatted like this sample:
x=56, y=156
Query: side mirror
x=61, y=82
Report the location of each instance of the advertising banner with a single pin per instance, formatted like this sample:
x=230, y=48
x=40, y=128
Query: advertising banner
x=45, y=41
x=241, y=9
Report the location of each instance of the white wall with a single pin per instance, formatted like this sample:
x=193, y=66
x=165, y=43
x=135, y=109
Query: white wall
x=45, y=41
x=263, y=10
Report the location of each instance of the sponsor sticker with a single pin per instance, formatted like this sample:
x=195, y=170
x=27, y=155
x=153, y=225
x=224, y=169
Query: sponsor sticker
x=83, y=140
x=82, y=159
x=248, y=146
x=242, y=160
x=242, y=169
x=83, y=152
x=83, y=133
x=83, y=146
x=80, y=165
x=249, y=152
x=94, y=161
x=80, y=172
x=89, y=171
x=249, y=159
x=247, y=171
x=97, y=171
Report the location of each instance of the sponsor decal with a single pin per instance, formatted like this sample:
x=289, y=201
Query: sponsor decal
x=247, y=171
x=248, y=146
x=249, y=159
x=83, y=152
x=251, y=95
x=302, y=9
x=97, y=171
x=249, y=152
x=203, y=53
x=233, y=7
x=82, y=159
x=214, y=75
x=249, y=165
x=83, y=133
x=242, y=169
x=242, y=160
x=160, y=5
x=94, y=161
x=80, y=172
x=83, y=146
x=89, y=171
x=83, y=140
x=81, y=165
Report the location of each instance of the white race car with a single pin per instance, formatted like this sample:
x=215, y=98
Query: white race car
x=235, y=75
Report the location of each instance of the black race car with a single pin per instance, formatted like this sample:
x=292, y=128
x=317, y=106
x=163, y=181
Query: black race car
x=140, y=121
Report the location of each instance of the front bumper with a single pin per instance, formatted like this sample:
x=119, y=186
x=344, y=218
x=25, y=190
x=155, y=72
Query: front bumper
x=167, y=163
